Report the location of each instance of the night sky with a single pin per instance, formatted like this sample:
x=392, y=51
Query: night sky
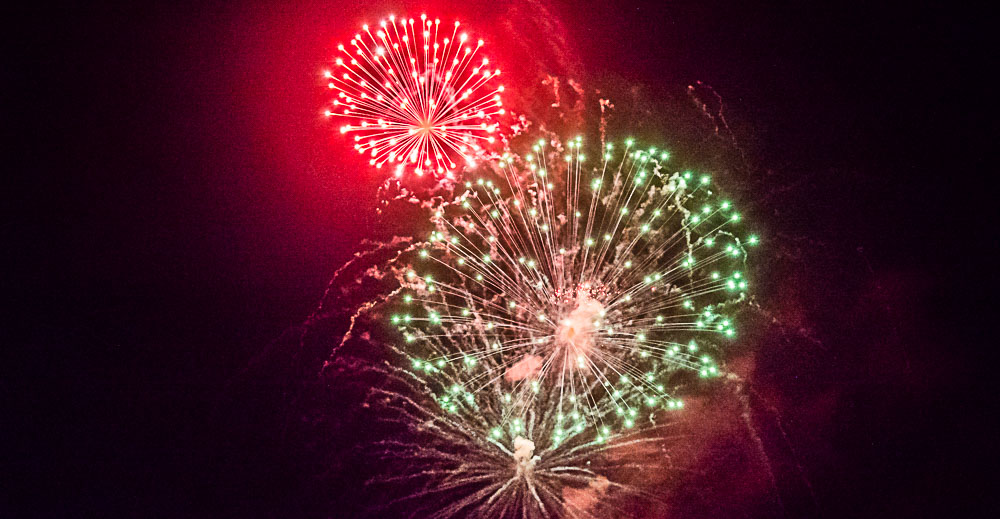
x=178, y=203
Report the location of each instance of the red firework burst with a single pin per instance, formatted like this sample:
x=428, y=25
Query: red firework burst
x=417, y=96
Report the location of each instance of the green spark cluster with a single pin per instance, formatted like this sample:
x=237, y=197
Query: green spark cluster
x=574, y=295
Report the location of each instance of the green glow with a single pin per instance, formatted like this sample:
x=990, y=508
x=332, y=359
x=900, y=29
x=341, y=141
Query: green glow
x=638, y=246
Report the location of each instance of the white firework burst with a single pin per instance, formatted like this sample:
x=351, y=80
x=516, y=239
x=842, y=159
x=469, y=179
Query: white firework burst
x=609, y=278
x=448, y=452
x=548, y=330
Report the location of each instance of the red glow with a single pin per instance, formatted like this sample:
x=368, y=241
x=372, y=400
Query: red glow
x=416, y=99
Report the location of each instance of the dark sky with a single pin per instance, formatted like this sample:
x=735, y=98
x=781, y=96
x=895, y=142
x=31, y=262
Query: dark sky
x=177, y=201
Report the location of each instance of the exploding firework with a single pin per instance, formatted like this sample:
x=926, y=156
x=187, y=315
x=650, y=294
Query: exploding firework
x=459, y=453
x=550, y=326
x=612, y=283
x=416, y=96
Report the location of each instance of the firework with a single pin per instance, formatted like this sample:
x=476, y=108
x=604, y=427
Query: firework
x=608, y=285
x=417, y=96
x=484, y=457
x=549, y=327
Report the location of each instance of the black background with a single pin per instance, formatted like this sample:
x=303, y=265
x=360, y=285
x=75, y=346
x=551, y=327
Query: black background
x=176, y=202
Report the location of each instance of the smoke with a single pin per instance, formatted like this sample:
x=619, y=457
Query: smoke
x=524, y=449
x=524, y=368
x=585, y=499
x=575, y=331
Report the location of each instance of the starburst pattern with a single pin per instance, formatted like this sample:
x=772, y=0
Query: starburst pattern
x=609, y=282
x=417, y=96
x=546, y=332
x=485, y=456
